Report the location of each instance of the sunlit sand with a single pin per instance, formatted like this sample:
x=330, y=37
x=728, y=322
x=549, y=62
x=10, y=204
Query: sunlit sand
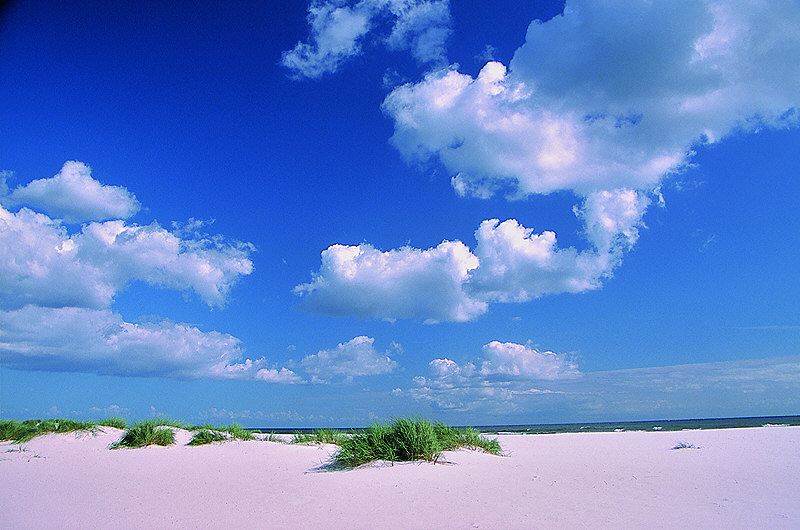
x=733, y=478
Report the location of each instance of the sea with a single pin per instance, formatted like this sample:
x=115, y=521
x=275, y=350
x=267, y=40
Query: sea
x=617, y=426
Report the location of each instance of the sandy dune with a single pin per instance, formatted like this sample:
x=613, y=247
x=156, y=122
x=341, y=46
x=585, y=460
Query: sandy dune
x=737, y=478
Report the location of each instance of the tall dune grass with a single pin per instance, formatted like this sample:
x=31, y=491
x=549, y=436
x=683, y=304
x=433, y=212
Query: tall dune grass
x=208, y=434
x=144, y=433
x=319, y=436
x=24, y=431
x=408, y=439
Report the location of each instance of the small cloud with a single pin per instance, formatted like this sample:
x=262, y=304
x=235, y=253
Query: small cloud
x=422, y=27
x=508, y=359
x=705, y=240
x=355, y=358
x=74, y=196
x=405, y=283
x=5, y=176
x=335, y=34
x=504, y=372
x=109, y=411
x=488, y=54
x=339, y=31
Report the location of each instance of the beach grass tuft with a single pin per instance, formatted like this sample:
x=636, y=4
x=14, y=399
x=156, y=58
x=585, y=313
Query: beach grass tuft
x=320, y=436
x=272, y=437
x=144, y=433
x=206, y=436
x=115, y=422
x=237, y=432
x=163, y=421
x=24, y=431
x=408, y=439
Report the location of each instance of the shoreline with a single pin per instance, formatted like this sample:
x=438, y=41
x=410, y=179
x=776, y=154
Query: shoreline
x=602, y=426
x=739, y=477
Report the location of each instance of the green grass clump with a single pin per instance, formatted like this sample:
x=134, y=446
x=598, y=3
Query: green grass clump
x=162, y=421
x=115, y=421
x=452, y=438
x=8, y=429
x=320, y=436
x=144, y=433
x=24, y=431
x=206, y=436
x=238, y=432
x=407, y=439
x=272, y=437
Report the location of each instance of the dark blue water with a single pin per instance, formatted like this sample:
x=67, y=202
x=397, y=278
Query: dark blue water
x=654, y=425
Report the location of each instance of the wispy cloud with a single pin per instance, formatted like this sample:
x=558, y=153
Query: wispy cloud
x=775, y=327
x=693, y=390
x=354, y=358
x=505, y=371
x=339, y=29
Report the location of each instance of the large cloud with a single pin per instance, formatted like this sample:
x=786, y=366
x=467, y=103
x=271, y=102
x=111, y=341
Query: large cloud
x=449, y=282
x=604, y=101
x=517, y=264
x=354, y=358
x=57, y=286
x=606, y=96
x=42, y=264
x=99, y=341
x=74, y=196
x=405, y=283
x=338, y=29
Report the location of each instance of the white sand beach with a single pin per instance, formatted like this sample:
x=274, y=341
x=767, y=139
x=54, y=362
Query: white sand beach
x=733, y=478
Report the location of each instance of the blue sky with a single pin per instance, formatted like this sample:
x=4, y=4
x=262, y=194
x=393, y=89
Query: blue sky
x=325, y=214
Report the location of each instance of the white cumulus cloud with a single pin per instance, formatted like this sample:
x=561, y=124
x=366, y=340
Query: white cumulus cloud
x=338, y=29
x=606, y=97
x=354, y=358
x=41, y=263
x=405, y=283
x=57, y=286
x=604, y=101
x=511, y=360
x=450, y=282
x=74, y=196
x=99, y=341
